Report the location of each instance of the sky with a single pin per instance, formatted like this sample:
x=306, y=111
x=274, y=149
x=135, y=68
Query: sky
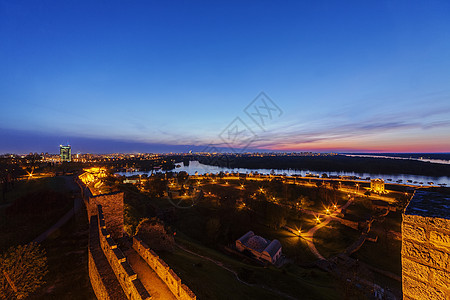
x=173, y=76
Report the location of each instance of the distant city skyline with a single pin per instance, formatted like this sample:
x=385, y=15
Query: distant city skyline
x=112, y=76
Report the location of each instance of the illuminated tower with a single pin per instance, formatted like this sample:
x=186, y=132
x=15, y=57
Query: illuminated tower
x=65, y=153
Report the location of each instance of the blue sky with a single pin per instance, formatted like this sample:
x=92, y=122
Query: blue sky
x=142, y=76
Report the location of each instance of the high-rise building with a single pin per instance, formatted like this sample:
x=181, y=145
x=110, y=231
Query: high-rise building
x=65, y=153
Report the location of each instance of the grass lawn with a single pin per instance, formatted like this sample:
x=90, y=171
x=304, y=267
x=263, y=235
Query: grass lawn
x=294, y=247
x=210, y=281
x=384, y=254
x=360, y=211
x=22, y=227
x=68, y=276
x=334, y=238
x=23, y=187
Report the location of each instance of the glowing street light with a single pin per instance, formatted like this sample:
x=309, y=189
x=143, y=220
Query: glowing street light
x=317, y=219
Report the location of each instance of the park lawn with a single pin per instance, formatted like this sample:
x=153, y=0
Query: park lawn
x=19, y=228
x=67, y=257
x=304, y=222
x=358, y=208
x=294, y=247
x=384, y=254
x=23, y=187
x=209, y=281
x=334, y=238
x=394, y=221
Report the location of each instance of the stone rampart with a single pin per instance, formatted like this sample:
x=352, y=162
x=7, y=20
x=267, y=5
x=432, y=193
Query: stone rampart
x=112, y=207
x=127, y=278
x=167, y=275
x=96, y=280
x=426, y=248
x=101, y=275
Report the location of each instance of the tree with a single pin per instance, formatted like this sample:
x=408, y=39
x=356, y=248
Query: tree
x=22, y=271
x=213, y=229
x=155, y=235
x=305, y=202
x=275, y=216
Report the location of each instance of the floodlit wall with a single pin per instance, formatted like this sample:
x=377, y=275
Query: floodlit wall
x=97, y=283
x=127, y=278
x=425, y=257
x=167, y=275
x=112, y=207
x=101, y=275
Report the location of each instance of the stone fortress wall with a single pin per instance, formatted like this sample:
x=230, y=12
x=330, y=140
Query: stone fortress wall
x=101, y=275
x=98, y=285
x=131, y=285
x=167, y=275
x=426, y=247
x=112, y=206
x=110, y=274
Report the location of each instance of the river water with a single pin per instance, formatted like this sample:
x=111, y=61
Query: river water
x=195, y=167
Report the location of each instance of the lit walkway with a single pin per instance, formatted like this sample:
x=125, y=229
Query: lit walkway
x=152, y=283
x=308, y=236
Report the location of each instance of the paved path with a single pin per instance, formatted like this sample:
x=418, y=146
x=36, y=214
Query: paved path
x=308, y=236
x=77, y=203
x=151, y=281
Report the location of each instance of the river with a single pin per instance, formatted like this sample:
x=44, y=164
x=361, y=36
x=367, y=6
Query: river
x=199, y=168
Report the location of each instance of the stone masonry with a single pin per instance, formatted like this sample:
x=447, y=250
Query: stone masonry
x=112, y=205
x=426, y=246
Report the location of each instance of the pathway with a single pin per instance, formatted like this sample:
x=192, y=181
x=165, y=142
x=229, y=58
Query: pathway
x=151, y=281
x=308, y=236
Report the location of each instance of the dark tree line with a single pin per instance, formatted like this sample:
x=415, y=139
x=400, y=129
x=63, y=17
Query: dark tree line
x=336, y=163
